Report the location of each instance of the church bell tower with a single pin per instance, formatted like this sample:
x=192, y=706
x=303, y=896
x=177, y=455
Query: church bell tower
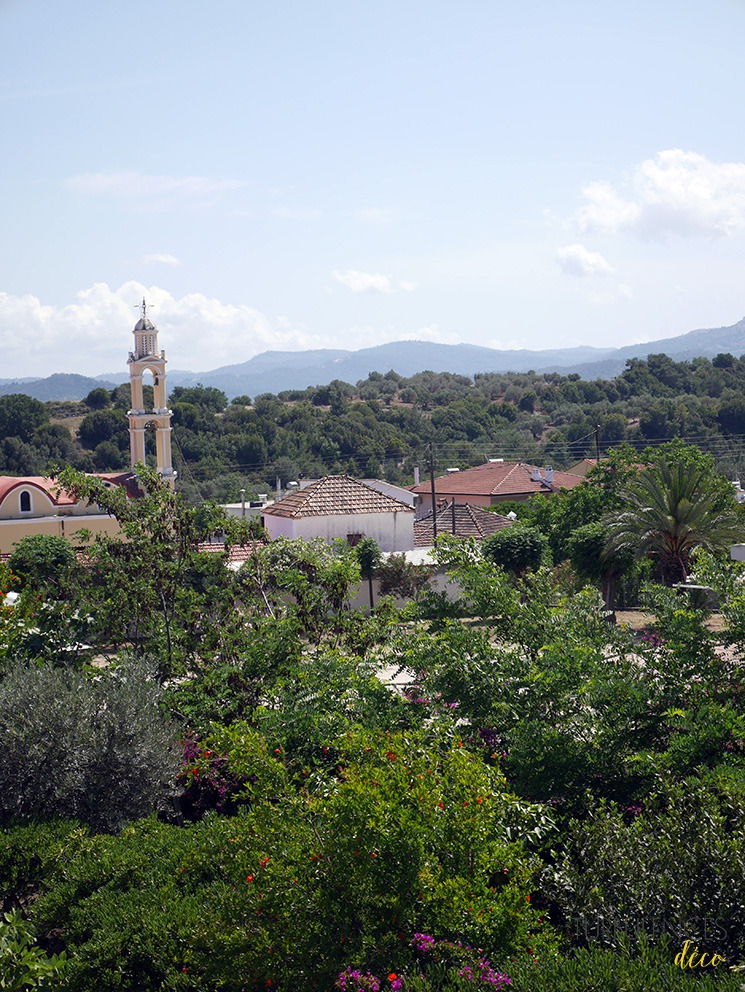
x=147, y=358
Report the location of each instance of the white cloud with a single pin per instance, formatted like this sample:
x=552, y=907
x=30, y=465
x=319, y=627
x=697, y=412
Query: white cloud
x=364, y=282
x=160, y=258
x=370, y=282
x=677, y=192
x=576, y=260
x=93, y=335
x=137, y=185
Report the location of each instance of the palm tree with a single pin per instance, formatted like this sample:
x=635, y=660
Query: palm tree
x=668, y=510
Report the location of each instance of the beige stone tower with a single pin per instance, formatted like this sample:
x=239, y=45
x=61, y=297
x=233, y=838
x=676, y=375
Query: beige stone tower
x=147, y=358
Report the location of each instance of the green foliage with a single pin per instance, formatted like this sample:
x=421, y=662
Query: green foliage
x=668, y=511
x=637, y=969
x=207, y=397
x=369, y=557
x=104, y=425
x=93, y=748
x=401, y=578
x=587, y=553
x=516, y=548
x=23, y=965
x=41, y=561
x=313, y=579
x=43, y=631
x=153, y=586
x=98, y=398
x=673, y=866
x=411, y=837
x=21, y=416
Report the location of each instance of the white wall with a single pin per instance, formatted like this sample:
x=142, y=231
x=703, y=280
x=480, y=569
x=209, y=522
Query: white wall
x=393, y=531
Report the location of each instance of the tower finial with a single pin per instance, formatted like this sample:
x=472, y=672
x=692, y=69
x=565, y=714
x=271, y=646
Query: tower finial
x=143, y=306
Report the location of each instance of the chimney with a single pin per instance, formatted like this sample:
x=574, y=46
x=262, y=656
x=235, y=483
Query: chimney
x=548, y=474
x=416, y=475
x=535, y=475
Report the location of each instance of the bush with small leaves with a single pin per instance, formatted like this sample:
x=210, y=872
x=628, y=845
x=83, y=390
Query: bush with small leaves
x=96, y=748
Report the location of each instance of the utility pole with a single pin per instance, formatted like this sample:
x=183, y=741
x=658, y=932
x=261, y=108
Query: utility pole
x=432, y=489
x=597, y=442
x=453, y=508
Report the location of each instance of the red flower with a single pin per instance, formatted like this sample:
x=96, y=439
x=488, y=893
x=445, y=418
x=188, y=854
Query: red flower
x=392, y=977
x=249, y=878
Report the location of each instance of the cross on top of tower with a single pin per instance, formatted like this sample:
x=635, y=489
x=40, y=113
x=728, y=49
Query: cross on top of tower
x=143, y=306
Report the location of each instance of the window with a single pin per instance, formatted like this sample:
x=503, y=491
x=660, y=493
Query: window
x=25, y=501
x=354, y=539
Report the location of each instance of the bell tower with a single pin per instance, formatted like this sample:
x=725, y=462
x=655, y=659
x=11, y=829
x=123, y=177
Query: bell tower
x=147, y=358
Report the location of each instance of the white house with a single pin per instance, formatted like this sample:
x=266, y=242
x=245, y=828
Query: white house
x=339, y=507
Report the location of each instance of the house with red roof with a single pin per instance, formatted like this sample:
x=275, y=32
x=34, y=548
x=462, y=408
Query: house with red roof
x=494, y=482
x=461, y=520
x=338, y=507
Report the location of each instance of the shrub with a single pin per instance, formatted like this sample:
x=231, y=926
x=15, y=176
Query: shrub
x=41, y=560
x=401, y=578
x=673, y=868
x=516, y=548
x=97, y=749
x=413, y=838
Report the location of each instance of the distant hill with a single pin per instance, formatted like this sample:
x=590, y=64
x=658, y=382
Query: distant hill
x=60, y=386
x=275, y=371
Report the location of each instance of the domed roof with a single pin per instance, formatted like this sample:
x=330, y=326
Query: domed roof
x=145, y=324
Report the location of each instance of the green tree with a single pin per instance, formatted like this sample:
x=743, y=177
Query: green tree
x=152, y=585
x=369, y=556
x=516, y=549
x=98, y=398
x=98, y=749
x=207, y=397
x=41, y=561
x=589, y=559
x=20, y=416
x=668, y=511
x=104, y=425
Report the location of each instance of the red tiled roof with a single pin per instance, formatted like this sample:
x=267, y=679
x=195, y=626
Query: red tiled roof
x=497, y=479
x=236, y=553
x=337, y=495
x=470, y=521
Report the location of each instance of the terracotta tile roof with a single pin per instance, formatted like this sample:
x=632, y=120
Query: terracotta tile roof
x=237, y=553
x=498, y=479
x=470, y=521
x=337, y=495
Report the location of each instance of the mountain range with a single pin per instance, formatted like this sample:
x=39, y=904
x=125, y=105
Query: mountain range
x=275, y=371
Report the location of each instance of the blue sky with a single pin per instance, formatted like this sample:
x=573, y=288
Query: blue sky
x=295, y=175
